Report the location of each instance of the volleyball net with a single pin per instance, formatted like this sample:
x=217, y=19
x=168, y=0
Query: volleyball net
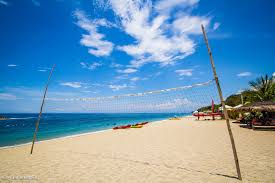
x=183, y=99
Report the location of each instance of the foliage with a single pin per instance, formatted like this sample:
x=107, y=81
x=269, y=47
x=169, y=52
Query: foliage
x=209, y=108
x=264, y=88
x=233, y=114
x=259, y=116
x=235, y=99
x=248, y=118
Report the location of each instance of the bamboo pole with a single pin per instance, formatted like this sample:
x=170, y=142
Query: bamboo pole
x=41, y=109
x=223, y=106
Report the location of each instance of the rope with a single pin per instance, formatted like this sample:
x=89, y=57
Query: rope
x=135, y=94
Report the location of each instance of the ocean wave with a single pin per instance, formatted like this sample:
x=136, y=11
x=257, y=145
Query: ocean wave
x=22, y=118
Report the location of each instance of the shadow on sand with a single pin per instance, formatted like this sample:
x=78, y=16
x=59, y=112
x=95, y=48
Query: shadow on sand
x=155, y=164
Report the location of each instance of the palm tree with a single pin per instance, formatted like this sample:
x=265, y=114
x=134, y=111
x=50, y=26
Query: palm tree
x=264, y=88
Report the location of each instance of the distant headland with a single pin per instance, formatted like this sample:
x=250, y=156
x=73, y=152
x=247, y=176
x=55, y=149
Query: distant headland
x=3, y=118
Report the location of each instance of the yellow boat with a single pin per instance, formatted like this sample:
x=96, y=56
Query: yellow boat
x=136, y=126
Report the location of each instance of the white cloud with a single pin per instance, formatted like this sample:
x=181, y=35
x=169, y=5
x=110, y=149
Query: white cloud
x=174, y=104
x=87, y=91
x=103, y=22
x=159, y=37
x=273, y=74
x=158, y=73
x=36, y=3
x=7, y=96
x=58, y=109
x=91, y=66
x=185, y=72
x=32, y=93
x=12, y=65
x=187, y=24
x=23, y=91
x=127, y=71
x=124, y=76
x=166, y=5
x=3, y=2
x=244, y=74
x=115, y=65
x=160, y=34
x=135, y=79
x=240, y=91
x=216, y=25
x=43, y=69
x=72, y=84
x=118, y=87
x=94, y=40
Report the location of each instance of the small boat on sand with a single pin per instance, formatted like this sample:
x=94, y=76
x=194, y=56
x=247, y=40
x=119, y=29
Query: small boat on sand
x=142, y=123
x=137, y=125
x=122, y=127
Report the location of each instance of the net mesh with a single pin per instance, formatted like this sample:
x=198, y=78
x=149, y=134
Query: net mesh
x=183, y=99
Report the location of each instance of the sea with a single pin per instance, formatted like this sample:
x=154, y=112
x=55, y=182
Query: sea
x=19, y=128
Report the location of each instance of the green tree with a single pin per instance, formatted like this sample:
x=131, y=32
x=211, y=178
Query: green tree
x=235, y=99
x=263, y=88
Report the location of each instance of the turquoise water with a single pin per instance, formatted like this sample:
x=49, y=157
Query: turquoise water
x=20, y=127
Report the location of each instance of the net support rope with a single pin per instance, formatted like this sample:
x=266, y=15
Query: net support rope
x=133, y=95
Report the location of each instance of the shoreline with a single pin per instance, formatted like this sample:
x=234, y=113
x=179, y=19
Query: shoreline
x=70, y=136
x=53, y=139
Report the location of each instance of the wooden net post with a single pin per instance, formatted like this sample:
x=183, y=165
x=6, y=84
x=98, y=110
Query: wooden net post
x=223, y=106
x=41, y=109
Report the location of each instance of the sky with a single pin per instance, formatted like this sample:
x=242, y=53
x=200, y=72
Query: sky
x=114, y=47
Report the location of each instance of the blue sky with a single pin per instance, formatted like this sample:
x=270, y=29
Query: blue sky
x=104, y=48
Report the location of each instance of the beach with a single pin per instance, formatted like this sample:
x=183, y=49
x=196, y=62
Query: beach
x=183, y=150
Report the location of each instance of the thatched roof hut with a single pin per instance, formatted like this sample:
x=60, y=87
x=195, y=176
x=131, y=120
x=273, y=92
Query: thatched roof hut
x=258, y=106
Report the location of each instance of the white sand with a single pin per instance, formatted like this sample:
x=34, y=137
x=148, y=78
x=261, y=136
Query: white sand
x=169, y=151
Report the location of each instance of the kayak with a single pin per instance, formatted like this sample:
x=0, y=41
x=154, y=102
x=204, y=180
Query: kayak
x=142, y=123
x=136, y=126
x=122, y=127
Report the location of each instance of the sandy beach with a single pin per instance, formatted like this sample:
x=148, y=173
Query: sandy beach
x=167, y=151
